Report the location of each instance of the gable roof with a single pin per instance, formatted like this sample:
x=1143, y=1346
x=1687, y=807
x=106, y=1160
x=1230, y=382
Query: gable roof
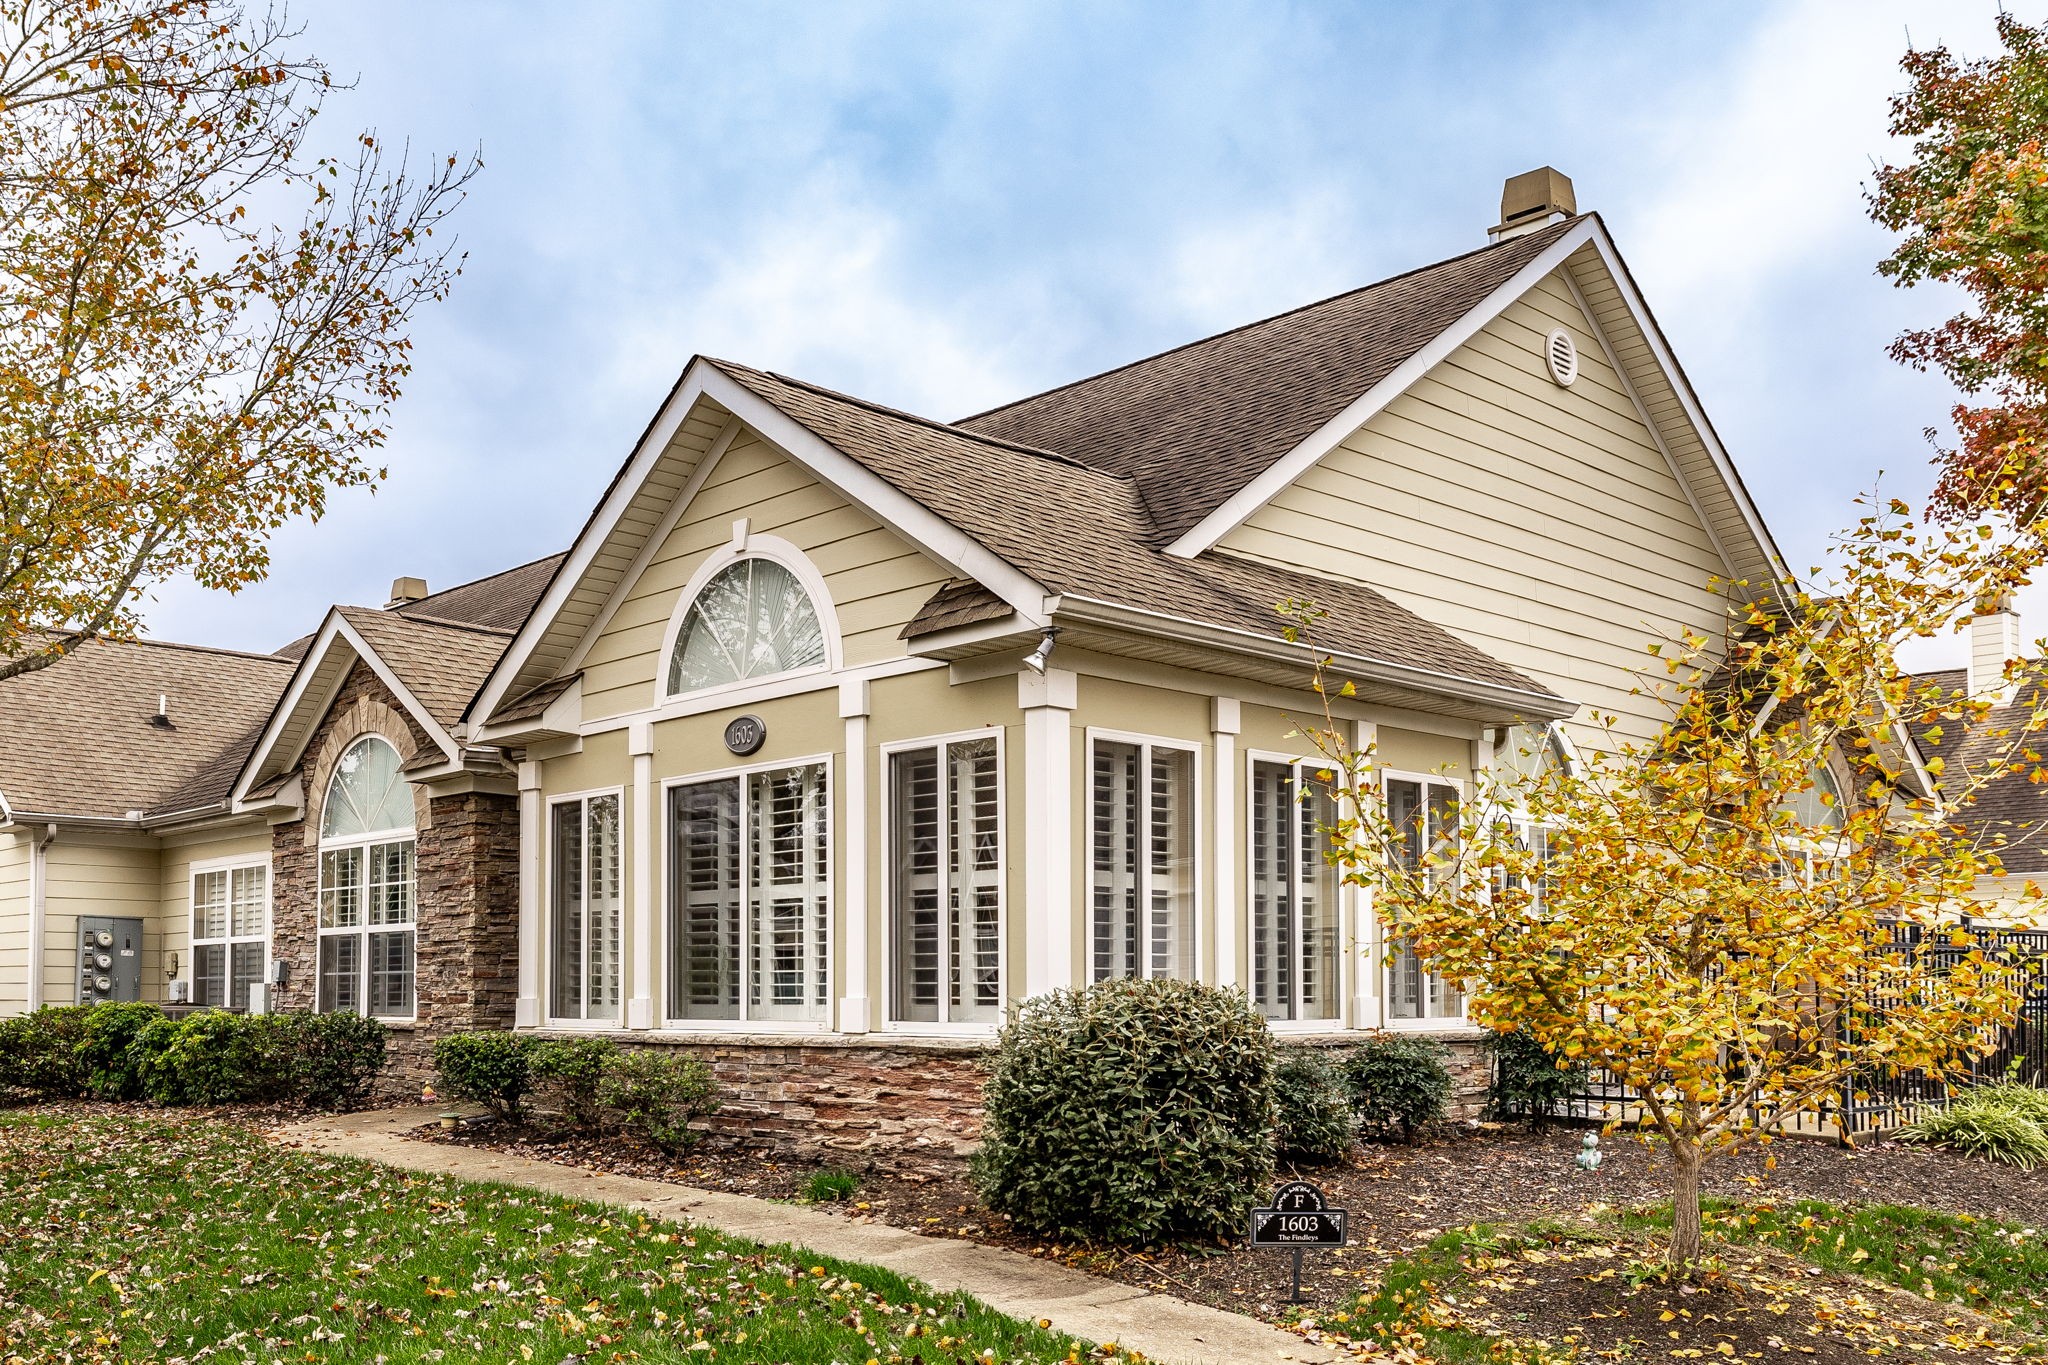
x=498, y=601
x=1195, y=424
x=2010, y=813
x=77, y=738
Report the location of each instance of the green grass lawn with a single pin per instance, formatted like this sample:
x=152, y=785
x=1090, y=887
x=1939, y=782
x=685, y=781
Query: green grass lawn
x=134, y=1236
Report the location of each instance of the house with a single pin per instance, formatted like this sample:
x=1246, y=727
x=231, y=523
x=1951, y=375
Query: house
x=838, y=728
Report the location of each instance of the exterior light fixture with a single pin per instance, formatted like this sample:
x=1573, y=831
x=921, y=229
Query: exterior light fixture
x=1036, y=659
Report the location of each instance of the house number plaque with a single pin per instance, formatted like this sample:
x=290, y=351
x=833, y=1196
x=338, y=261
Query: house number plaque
x=1299, y=1221
x=745, y=734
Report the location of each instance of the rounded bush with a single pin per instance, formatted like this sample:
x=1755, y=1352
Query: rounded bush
x=108, y=1064
x=1525, y=1081
x=491, y=1068
x=39, y=1052
x=213, y=1057
x=1316, y=1122
x=567, y=1073
x=1399, y=1083
x=1133, y=1111
x=335, y=1057
x=654, y=1095
x=1984, y=1128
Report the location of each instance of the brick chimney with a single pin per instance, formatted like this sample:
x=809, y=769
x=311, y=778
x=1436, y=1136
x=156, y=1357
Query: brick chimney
x=404, y=590
x=1994, y=642
x=1532, y=200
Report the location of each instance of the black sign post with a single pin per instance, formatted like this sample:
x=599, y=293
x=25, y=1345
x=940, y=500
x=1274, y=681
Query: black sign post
x=1299, y=1221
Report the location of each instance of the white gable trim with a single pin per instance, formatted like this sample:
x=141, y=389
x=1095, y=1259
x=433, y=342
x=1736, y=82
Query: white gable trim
x=1296, y=462
x=336, y=628
x=894, y=509
x=1290, y=467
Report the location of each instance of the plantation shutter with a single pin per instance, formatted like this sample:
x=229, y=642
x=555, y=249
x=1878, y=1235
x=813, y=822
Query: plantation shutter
x=704, y=915
x=975, y=872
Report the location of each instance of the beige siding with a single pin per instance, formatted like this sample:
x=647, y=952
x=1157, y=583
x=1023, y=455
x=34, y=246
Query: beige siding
x=877, y=582
x=172, y=928
x=14, y=893
x=87, y=878
x=1540, y=523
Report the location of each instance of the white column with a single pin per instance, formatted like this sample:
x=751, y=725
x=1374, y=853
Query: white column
x=1226, y=910
x=1365, y=977
x=527, y=1014
x=641, y=924
x=39, y=911
x=1048, y=703
x=854, y=859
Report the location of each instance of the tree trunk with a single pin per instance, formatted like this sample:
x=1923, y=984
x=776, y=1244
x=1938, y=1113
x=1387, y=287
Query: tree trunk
x=1685, y=1205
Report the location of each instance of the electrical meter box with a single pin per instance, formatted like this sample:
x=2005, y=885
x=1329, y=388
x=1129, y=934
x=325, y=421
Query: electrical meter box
x=109, y=959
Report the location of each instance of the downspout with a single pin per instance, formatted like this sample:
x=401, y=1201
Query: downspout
x=38, y=887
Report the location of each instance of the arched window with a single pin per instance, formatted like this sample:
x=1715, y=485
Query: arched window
x=1820, y=805
x=754, y=619
x=366, y=884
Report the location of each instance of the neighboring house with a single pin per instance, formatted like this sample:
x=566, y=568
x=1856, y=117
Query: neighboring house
x=838, y=729
x=2010, y=815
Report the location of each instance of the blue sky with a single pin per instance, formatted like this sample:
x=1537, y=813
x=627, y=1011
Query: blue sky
x=942, y=206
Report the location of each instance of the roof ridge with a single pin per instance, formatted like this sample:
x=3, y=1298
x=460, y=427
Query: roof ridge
x=1261, y=322
x=443, y=622
x=931, y=422
x=180, y=644
x=401, y=609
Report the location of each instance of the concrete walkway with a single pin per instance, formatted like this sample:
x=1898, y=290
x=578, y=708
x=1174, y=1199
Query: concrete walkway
x=1160, y=1326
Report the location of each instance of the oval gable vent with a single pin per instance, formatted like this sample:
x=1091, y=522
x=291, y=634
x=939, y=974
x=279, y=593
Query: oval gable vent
x=1563, y=354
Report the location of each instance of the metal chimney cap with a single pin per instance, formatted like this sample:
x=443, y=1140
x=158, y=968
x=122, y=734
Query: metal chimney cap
x=1532, y=199
x=404, y=590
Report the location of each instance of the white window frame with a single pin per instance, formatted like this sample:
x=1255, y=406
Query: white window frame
x=665, y=902
x=1342, y=908
x=747, y=545
x=363, y=930
x=1197, y=875
x=1382, y=955
x=943, y=1027
x=229, y=865
x=547, y=875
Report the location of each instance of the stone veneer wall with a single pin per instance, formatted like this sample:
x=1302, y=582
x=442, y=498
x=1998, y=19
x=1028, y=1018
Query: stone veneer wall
x=467, y=906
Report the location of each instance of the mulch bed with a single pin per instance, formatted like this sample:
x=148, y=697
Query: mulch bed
x=1400, y=1198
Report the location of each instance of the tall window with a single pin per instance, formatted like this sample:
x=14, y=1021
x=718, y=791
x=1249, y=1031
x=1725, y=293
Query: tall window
x=1141, y=838
x=586, y=904
x=750, y=878
x=1425, y=812
x=1525, y=755
x=230, y=933
x=946, y=889
x=752, y=620
x=1294, y=902
x=366, y=885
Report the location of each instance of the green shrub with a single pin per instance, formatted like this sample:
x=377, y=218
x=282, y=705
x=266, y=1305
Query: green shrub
x=214, y=1057
x=1316, y=1122
x=108, y=1064
x=490, y=1067
x=654, y=1095
x=2028, y=1101
x=39, y=1052
x=335, y=1057
x=1987, y=1129
x=569, y=1072
x=1399, y=1082
x=1525, y=1081
x=1135, y=1111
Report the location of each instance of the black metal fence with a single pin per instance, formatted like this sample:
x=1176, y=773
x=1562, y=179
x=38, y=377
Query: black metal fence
x=1884, y=1099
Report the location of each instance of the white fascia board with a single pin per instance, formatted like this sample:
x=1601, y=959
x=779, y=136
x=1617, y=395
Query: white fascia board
x=1546, y=706
x=335, y=628
x=923, y=528
x=1296, y=462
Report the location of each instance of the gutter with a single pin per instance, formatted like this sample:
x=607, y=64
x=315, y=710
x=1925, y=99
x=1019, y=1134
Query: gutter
x=38, y=895
x=1184, y=630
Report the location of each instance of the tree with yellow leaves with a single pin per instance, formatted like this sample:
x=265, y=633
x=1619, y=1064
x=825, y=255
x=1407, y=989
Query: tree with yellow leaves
x=178, y=375
x=1712, y=916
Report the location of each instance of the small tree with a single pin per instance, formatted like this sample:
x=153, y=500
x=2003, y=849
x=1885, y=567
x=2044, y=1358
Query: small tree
x=1710, y=917
x=179, y=377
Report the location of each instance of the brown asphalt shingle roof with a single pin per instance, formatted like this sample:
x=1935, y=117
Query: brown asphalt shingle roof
x=1193, y=425
x=1085, y=532
x=2013, y=807
x=442, y=663
x=499, y=602
x=76, y=738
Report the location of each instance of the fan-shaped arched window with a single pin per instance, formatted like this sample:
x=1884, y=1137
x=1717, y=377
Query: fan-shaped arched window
x=1820, y=805
x=366, y=884
x=754, y=619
